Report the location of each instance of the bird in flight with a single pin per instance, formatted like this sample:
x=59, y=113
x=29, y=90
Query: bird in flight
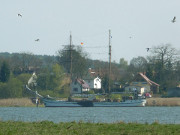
x=147, y=49
x=173, y=20
x=37, y=40
x=19, y=15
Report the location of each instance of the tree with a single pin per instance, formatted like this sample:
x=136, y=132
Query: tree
x=165, y=54
x=138, y=64
x=23, y=78
x=163, y=60
x=123, y=63
x=15, y=88
x=4, y=72
x=57, y=76
x=79, y=63
x=12, y=89
x=25, y=62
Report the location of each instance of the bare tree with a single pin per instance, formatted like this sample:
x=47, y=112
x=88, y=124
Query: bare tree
x=138, y=64
x=163, y=61
x=165, y=54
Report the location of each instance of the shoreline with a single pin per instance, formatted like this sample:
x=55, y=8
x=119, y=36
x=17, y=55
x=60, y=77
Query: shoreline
x=27, y=102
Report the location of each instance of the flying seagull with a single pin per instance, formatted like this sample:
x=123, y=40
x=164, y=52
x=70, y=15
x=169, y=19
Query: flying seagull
x=147, y=49
x=37, y=40
x=174, y=20
x=19, y=15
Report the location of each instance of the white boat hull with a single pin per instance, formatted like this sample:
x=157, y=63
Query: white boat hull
x=127, y=103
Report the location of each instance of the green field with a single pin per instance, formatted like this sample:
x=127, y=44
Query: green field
x=80, y=128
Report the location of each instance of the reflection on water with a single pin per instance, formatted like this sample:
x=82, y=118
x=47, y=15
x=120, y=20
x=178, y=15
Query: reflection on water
x=93, y=114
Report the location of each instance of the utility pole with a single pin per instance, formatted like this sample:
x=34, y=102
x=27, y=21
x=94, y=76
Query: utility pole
x=109, y=88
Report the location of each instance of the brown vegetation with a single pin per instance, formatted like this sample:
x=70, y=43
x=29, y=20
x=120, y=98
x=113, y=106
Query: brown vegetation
x=16, y=102
x=163, y=102
x=24, y=102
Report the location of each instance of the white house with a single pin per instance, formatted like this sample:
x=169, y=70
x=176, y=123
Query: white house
x=93, y=82
x=79, y=86
x=140, y=90
x=142, y=84
x=92, y=79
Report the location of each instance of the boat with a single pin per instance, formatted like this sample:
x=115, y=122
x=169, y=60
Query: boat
x=63, y=103
x=91, y=102
x=53, y=102
x=87, y=103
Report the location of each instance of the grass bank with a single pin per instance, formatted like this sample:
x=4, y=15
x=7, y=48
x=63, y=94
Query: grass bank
x=163, y=102
x=73, y=128
x=16, y=102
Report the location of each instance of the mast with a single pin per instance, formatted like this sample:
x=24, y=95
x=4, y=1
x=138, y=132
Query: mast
x=71, y=56
x=109, y=88
x=69, y=99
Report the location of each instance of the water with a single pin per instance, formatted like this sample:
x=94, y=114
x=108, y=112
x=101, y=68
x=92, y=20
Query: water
x=165, y=115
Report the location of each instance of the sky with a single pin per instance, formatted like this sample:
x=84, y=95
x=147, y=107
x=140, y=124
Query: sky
x=135, y=25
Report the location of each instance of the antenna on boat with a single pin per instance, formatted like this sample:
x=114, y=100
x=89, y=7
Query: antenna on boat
x=109, y=88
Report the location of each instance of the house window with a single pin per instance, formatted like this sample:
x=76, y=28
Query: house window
x=144, y=82
x=135, y=82
x=75, y=89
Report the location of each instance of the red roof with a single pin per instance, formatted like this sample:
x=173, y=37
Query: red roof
x=148, y=80
x=83, y=83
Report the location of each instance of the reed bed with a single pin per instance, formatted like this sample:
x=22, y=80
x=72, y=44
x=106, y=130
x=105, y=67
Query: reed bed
x=26, y=102
x=163, y=102
x=16, y=102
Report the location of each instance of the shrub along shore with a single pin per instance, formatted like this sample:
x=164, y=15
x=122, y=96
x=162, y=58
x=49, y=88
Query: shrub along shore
x=80, y=128
x=27, y=102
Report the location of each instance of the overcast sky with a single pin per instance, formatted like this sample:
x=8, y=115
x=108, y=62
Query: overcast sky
x=134, y=24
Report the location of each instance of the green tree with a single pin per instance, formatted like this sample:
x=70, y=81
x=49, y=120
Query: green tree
x=24, y=80
x=12, y=89
x=43, y=81
x=123, y=63
x=3, y=90
x=15, y=88
x=79, y=62
x=4, y=72
x=57, y=76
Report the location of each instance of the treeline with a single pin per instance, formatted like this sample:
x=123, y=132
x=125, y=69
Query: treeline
x=162, y=66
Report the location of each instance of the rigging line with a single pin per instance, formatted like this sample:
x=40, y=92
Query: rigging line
x=86, y=47
x=97, y=47
x=90, y=35
x=96, y=53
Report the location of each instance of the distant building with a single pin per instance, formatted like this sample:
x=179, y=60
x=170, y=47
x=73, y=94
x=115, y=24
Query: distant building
x=134, y=88
x=79, y=86
x=141, y=81
x=93, y=80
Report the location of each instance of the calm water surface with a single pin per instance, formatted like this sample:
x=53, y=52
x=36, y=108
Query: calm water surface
x=93, y=114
